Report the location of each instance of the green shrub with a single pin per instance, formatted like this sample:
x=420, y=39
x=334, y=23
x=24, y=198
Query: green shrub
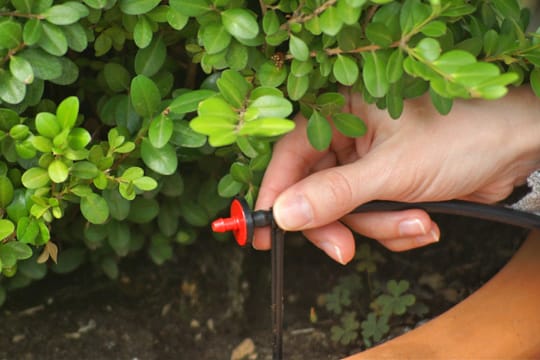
x=126, y=124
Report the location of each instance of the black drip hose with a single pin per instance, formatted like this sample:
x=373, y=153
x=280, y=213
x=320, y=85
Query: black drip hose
x=278, y=236
x=497, y=213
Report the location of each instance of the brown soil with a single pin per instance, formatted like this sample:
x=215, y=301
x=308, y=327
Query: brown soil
x=212, y=296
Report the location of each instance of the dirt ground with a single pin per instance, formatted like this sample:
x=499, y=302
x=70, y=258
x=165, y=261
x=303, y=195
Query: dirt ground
x=214, y=296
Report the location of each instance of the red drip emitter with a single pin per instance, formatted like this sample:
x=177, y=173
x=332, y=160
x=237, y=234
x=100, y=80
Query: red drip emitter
x=242, y=222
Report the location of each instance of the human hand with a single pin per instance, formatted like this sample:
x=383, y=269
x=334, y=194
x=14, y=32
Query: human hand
x=478, y=152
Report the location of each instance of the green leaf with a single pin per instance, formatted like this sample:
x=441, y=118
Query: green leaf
x=428, y=49
x=330, y=21
x=12, y=91
x=119, y=235
x=78, y=138
x=137, y=7
x=240, y=23
x=319, y=131
x=118, y=205
x=185, y=136
x=10, y=34
x=378, y=34
x=234, y=87
x=116, y=76
x=145, y=96
x=266, y=127
x=271, y=75
x=95, y=209
x=216, y=107
x=69, y=260
x=442, y=104
x=6, y=228
x=374, y=75
x=84, y=170
x=452, y=60
x=228, y=186
x=349, y=124
x=143, y=210
x=298, y=48
x=32, y=32
x=535, y=81
x=297, y=86
x=215, y=37
x=6, y=191
x=45, y=66
x=160, y=131
x=61, y=15
x=53, y=40
x=150, y=60
x=47, y=125
x=270, y=22
x=163, y=161
x=394, y=66
x=189, y=101
x=67, y=112
x=21, y=69
x=145, y=183
x=176, y=19
x=96, y=4
x=35, y=178
x=345, y=70
x=272, y=106
x=434, y=28
x=191, y=7
x=142, y=33
x=19, y=250
x=58, y=171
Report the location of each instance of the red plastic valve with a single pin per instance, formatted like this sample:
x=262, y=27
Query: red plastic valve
x=242, y=221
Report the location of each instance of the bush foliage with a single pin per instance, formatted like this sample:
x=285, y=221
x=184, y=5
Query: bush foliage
x=126, y=124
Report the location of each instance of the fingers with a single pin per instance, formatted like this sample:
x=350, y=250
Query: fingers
x=328, y=195
x=399, y=230
x=335, y=240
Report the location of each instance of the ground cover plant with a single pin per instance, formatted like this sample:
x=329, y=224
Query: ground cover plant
x=125, y=125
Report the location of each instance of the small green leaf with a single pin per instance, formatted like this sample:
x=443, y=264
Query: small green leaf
x=240, y=23
x=535, y=81
x=61, y=15
x=142, y=33
x=189, y=101
x=434, y=28
x=67, y=112
x=349, y=124
x=6, y=228
x=6, y=192
x=95, y=209
x=32, y=32
x=394, y=66
x=216, y=107
x=346, y=70
x=176, y=19
x=191, y=7
x=297, y=86
x=116, y=76
x=35, y=178
x=12, y=91
x=378, y=34
x=58, y=171
x=319, y=131
x=272, y=106
x=266, y=127
x=137, y=7
x=21, y=69
x=271, y=75
x=145, y=96
x=298, y=48
x=374, y=75
x=160, y=131
x=330, y=21
x=442, y=104
x=150, y=60
x=53, y=40
x=215, y=38
x=163, y=161
x=145, y=183
x=229, y=187
x=428, y=49
x=10, y=34
x=234, y=87
x=84, y=170
x=185, y=136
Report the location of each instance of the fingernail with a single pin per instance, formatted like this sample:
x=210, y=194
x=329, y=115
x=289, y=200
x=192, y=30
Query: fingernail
x=292, y=213
x=411, y=227
x=333, y=251
x=431, y=237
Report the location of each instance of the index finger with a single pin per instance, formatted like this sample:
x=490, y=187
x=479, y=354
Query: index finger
x=292, y=159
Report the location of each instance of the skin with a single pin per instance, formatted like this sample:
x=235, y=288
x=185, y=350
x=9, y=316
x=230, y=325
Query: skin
x=479, y=152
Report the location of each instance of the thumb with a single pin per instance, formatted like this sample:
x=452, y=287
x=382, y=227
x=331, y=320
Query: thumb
x=328, y=195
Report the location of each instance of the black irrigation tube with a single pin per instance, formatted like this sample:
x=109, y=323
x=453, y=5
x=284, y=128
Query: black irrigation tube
x=243, y=221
